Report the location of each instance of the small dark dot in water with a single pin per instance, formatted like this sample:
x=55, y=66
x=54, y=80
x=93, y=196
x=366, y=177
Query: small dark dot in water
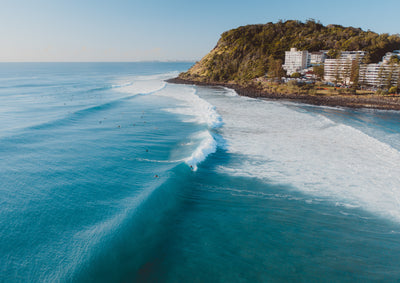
x=133, y=124
x=119, y=126
x=155, y=176
x=100, y=122
x=147, y=150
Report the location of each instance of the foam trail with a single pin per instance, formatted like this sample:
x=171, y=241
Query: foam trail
x=159, y=161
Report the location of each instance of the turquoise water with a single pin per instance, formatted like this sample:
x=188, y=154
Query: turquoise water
x=109, y=174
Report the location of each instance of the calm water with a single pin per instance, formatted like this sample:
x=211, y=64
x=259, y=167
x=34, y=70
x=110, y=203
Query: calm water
x=109, y=174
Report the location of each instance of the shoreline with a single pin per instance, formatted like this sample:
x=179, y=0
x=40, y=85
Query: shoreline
x=350, y=101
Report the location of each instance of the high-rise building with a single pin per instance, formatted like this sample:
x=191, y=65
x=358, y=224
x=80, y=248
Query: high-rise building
x=295, y=61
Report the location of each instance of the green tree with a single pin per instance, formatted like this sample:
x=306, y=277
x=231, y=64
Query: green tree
x=390, y=75
x=319, y=71
x=346, y=72
x=398, y=76
x=338, y=75
x=394, y=60
x=275, y=70
x=355, y=72
x=333, y=53
x=295, y=75
x=363, y=75
x=393, y=90
x=381, y=75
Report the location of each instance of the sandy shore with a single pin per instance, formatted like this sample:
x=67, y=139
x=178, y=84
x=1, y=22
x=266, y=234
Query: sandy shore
x=352, y=101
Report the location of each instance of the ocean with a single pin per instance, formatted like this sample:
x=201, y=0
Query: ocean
x=110, y=174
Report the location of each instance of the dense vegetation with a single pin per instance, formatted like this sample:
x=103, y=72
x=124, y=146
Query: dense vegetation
x=247, y=52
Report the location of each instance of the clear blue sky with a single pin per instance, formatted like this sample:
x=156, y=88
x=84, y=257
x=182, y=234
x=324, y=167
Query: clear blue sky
x=122, y=30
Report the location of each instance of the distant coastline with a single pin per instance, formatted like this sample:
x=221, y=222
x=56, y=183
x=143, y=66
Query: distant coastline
x=345, y=100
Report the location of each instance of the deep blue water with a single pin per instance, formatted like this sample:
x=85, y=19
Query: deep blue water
x=109, y=174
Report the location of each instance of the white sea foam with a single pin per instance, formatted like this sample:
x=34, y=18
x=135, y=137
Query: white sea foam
x=164, y=76
x=143, y=87
x=310, y=153
x=143, y=84
x=122, y=85
x=195, y=110
x=191, y=105
x=159, y=161
x=207, y=146
x=230, y=92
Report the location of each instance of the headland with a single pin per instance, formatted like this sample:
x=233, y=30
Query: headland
x=252, y=60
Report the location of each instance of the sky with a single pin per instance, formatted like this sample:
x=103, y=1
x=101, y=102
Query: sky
x=165, y=30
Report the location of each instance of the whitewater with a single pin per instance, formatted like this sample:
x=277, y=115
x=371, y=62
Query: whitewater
x=312, y=153
x=111, y=174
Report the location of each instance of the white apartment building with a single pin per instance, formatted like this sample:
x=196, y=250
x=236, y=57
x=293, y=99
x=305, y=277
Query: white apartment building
x=379, y=74
x=337, y=70
x=317, y=58
x=295, y=61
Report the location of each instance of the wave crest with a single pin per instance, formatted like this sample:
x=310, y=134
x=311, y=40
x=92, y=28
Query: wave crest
x=207, y=146
x=195, y=110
